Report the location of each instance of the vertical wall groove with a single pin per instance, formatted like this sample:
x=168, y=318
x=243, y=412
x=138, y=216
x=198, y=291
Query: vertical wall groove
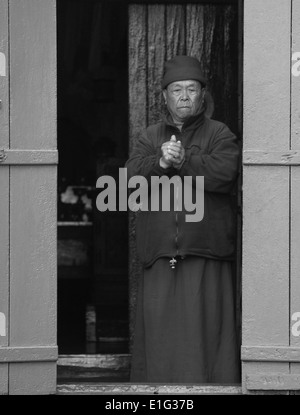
x=290, y=179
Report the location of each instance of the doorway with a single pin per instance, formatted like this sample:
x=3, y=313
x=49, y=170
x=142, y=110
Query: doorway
x=108, y=91
x=92, y=141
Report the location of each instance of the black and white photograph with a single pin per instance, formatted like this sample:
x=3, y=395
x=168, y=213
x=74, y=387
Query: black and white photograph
x=149, y=200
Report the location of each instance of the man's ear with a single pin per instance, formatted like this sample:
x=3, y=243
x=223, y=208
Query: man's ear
x=165, y=95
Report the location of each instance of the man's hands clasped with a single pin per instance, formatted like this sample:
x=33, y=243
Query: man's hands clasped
x=172, y=154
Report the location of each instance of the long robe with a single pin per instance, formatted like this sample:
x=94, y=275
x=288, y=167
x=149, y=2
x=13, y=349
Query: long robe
x=185, y=324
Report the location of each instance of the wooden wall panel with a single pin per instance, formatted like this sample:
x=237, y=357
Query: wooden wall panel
x=212, y=37
x=175, y=30
x=4, y=269
x=266, y=188
x=265, y=276
x=295, y=194
x=229, y=63
x=156, y=47
x=33, y=267
x=33, y=74
x=211, y=14
x=33, y=194
x=266, y=256
x=195, y=32
x=4, y=191
x=294, y=315
x=267, y=74
x=40, y=378
x=33, y=255
x=137, y=124
x=4, y=77
x=137, y=72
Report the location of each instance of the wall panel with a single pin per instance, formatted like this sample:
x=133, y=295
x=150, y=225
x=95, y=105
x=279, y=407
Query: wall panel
x=4, y=191
x=295, y=193
x=266, y=191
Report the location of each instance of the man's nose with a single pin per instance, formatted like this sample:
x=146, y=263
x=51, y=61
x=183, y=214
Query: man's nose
x=184, y=95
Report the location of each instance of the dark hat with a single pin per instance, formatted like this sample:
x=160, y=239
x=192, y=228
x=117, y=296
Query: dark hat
x=182, y=68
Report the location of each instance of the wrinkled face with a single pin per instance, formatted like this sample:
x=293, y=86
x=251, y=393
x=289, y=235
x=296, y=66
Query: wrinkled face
x=184, y=99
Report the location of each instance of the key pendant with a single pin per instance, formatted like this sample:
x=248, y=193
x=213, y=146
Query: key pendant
x=173, y=262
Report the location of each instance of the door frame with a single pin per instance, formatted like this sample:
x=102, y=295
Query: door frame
x=65, y=360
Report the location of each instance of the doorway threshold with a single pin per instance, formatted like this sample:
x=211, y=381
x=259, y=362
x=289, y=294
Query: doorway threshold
x=93, y=368
x=89, y=388
x=108, y=374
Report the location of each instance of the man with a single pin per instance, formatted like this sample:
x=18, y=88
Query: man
x=185, y=325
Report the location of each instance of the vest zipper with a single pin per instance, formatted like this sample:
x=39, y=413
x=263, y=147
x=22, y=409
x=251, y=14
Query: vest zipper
x=177, y=197
x=173, y=261
x=176, y=221
x=176, y=225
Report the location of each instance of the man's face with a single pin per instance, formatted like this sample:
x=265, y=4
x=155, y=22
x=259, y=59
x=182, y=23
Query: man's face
x=184, y=99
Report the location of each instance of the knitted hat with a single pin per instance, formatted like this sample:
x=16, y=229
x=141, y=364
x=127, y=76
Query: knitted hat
x=182, y=68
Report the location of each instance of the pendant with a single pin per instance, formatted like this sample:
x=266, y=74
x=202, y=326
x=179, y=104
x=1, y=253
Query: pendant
x=173, y=263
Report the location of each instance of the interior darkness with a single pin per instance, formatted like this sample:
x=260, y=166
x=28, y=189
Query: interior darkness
x=92, y=141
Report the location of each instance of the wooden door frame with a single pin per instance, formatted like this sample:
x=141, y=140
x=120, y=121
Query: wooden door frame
x=270, y=353
x=111, y=363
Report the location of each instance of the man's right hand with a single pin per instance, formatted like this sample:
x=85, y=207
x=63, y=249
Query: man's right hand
x=171, y=152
